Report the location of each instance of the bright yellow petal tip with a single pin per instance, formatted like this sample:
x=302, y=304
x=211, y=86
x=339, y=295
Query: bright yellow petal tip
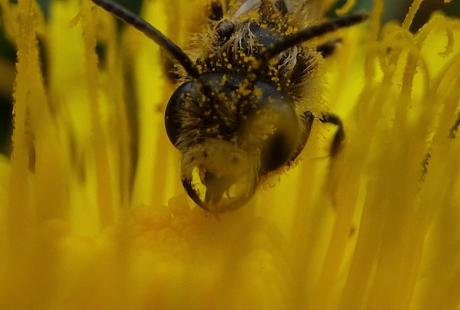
x=94, y=217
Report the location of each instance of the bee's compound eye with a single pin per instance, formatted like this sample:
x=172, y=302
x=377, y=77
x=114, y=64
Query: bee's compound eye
x=274, y=129
x=277, y=150
x=173, y=118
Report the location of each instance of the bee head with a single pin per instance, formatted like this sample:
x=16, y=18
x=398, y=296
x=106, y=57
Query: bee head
x=230, y=127
x=231, y=131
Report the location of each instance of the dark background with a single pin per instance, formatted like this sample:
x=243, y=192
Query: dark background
x=395, y=10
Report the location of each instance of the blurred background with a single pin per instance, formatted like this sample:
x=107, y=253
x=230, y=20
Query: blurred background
x=394, y=10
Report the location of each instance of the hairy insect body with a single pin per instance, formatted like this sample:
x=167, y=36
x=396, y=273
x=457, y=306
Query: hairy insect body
x=237, y=46
x=255, y=111
x=240, y=113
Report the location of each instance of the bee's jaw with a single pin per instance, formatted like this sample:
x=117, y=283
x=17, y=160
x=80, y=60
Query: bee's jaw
x=219, y=194
x=218, y=175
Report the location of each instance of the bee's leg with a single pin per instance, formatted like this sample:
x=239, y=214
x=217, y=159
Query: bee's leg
x=307, y=119
x=216, y=10
x=224, y=28
x=327, y=49
x=339, y=135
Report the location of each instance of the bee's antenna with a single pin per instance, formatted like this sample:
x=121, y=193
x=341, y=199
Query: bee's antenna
x=310, y=33
x=151, y=32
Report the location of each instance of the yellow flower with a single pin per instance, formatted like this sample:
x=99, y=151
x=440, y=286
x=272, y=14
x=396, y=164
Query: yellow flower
x=92, y=214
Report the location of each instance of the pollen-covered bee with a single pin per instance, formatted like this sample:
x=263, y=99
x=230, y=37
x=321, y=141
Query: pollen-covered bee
x=239, y=113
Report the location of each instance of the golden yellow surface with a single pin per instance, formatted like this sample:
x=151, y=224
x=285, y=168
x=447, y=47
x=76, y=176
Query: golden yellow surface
x=377, y=227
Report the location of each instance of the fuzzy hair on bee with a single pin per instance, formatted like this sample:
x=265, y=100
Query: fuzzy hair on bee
x=243, y=109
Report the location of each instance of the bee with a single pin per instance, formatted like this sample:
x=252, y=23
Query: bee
x=237, y=115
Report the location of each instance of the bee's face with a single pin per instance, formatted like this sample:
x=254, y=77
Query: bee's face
x=231, y=132
x=237, y=121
